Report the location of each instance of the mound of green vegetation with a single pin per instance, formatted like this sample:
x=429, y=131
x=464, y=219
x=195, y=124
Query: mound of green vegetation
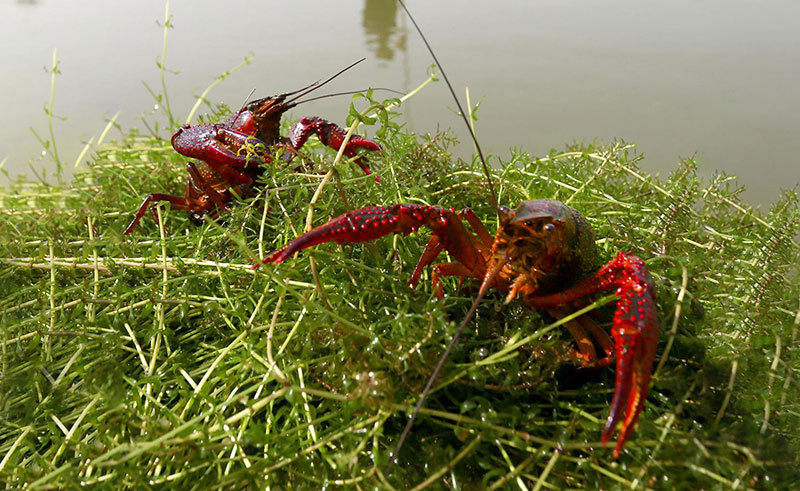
x=163, y=358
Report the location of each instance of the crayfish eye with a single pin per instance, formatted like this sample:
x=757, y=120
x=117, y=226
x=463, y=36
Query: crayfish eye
x=505, y=214
x=539, y=226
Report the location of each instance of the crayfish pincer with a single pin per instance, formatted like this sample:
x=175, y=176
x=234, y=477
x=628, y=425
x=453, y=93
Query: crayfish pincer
x=231, y=155
x=544, y=253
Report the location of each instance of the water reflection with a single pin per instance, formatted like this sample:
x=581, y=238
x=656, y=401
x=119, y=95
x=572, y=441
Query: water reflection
x=380, y=27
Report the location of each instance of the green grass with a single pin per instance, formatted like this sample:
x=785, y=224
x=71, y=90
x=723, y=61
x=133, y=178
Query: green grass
x=163, y=359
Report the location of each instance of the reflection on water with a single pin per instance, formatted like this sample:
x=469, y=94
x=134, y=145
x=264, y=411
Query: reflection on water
x=380, y=27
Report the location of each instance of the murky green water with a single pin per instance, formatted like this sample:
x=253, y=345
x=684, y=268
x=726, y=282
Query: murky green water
x=714, y=79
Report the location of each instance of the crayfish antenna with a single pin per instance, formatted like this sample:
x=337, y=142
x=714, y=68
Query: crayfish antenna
x=488, y=278
x=312, y=87
x=490, y=273
x=244, y=104
x=286, y=105
x=489, y=182
x=348, y=92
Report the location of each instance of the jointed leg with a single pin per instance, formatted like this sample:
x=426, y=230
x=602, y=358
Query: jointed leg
x=447, y=269
x=197, y=180
x=433, y=248
x=464, y=241
x=176, y=202
x=580, y=328
x=477, y=226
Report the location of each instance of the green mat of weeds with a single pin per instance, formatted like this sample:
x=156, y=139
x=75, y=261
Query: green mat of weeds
x=165, y=360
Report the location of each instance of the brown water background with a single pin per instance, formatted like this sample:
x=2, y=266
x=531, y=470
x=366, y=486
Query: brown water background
x=715, y=79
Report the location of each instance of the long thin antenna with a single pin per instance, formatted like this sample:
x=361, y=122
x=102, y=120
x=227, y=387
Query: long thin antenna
x=319, y=84
x=241, y=109
x=492, y=194
x=429, y=385
x=487, y=280
x=349, y=92
x=488, y=277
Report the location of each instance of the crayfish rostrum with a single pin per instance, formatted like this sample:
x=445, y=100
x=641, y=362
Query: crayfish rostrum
x=231, y=155
x=544, y=253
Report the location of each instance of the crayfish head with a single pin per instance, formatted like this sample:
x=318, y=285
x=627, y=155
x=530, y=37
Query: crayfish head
x=262, y=117
x=549, y=245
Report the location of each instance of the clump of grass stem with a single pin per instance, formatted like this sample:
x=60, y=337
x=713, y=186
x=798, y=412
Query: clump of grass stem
x=164, y=359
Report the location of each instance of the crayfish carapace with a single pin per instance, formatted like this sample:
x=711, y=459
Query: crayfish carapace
x=231, y=155
x=544, y=253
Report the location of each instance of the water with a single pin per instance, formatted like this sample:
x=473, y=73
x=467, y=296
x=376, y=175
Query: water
x=714, y=79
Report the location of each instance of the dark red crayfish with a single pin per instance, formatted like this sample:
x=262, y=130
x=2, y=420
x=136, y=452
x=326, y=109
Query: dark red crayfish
x=231, y=155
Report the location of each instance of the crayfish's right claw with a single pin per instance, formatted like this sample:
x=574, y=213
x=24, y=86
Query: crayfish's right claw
x=332, y=135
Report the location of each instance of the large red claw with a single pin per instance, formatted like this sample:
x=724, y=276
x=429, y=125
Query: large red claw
x=216, y=145
x=332, y=135
x=360, y=226
x=635, y=331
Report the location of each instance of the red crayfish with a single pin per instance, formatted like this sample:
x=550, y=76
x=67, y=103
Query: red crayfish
x=231, y=155
x=540, y=249
x=544, y=253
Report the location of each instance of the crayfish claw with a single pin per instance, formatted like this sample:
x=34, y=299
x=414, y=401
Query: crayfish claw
x=332, y=135
x=361, y=225
x=634, y=363
x=635, y=332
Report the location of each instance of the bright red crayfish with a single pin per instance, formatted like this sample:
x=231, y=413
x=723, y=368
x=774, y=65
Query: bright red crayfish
x=231, y=155
x=543, y=252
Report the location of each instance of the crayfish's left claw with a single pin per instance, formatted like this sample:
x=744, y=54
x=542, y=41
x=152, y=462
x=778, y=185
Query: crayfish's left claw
x=332, y=135
x=635, y=332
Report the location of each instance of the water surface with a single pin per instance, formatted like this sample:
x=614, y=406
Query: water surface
x=714, y=79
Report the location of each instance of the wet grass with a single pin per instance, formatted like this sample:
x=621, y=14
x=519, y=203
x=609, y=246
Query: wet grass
x=163, y=359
